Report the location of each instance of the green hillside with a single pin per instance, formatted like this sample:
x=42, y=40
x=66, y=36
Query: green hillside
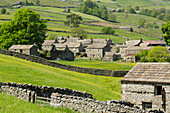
x=17, y=70
x=94, y=24
x=11, y=104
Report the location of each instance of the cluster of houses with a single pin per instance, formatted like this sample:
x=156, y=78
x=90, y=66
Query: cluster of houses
x=66, y=48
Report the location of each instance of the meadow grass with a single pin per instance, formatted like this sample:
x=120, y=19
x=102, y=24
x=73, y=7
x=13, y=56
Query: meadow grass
x=98, y=64
x=11, y=104
x=20, y=71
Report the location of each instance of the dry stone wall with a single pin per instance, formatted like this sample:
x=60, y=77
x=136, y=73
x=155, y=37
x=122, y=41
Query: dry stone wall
x=64, y=97
x=43, y=91
x=91, y=105
x=119, y=73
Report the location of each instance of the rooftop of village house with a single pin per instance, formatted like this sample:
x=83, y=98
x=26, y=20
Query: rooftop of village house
x=157, y=73
x=21, y=47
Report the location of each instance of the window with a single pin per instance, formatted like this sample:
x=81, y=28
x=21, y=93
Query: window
x=146, y=105
x=20, y=50
x=158, y=90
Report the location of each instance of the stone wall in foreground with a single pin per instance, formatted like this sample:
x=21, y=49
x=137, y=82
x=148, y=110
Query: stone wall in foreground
x=102, y=72
x=67, y=98
x=91, y=105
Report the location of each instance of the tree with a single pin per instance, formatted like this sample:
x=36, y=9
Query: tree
x=137, y=8
x=77, y=32
x=142, y=55
x=158, y=54
x=73, y=19
x=142, y=22
x=111, y=17
x=25, y=28
x=37, y=1
x=104, y=15
x=131, y=10
x=166, y=31
x=3, y=11
x=107, y=30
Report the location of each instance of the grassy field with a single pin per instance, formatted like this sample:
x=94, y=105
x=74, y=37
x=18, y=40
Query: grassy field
x=17, y=70
x=99, y=64
x=11, y=104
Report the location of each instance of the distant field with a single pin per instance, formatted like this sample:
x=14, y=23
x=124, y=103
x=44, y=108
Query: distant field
x=99, y=64
x=11, y=104
x=17, y=70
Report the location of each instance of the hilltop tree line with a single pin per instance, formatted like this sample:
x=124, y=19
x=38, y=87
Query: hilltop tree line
x=91, y=8
x=161, y=13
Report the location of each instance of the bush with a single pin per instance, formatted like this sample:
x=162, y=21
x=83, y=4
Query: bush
x=3, y=11
x=7, y=13
x=107, y=30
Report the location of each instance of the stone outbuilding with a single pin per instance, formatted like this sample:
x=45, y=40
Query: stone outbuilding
x=65, y=54
x=112, y=56
x=25, y=49
x=48, y=44
x=147, y=85
x=97, y=51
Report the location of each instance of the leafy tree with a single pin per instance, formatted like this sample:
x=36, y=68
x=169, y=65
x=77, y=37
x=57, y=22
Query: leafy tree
x=104, y=15
x=142, y=55
x=111, y=17
x=73, y=19
x=137, y=8
x=3, y=11
x=89, y=4
x=96, y=12
x=107, y=30
x=131, y=10
x=25, y=28
x=166, y=31
x=158, y=54
x=77, y=32
x=142, y=22
x=84, y=9
x=37, y=1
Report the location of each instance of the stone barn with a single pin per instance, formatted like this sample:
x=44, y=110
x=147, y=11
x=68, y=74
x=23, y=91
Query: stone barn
x=25, y=49
x=147, y=85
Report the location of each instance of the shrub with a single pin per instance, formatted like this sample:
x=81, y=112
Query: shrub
x=3, y=11
x=107, y=30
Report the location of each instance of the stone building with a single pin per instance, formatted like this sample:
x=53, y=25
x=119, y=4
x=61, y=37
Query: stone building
x=111, y=56
x=97, y=51
x=147, y=85
x=74, y=47
x=65, y=54
x=24, y=49
x=48, y=44
x=102, y=41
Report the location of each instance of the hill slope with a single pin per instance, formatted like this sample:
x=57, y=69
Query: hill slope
x=17, y=70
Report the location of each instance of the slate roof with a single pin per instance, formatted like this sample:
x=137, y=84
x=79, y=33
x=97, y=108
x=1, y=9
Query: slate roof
x=21, y=47
x=133, y=42
x=96, y=46
x=48, y=42
x=154, y=42
x=151, y=73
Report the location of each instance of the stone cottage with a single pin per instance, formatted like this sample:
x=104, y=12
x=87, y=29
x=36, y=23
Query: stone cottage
x=48, y=44
x=147, y=85
x=97, y=51
x=111, y=56
x=65, y=54
x=25, y=49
